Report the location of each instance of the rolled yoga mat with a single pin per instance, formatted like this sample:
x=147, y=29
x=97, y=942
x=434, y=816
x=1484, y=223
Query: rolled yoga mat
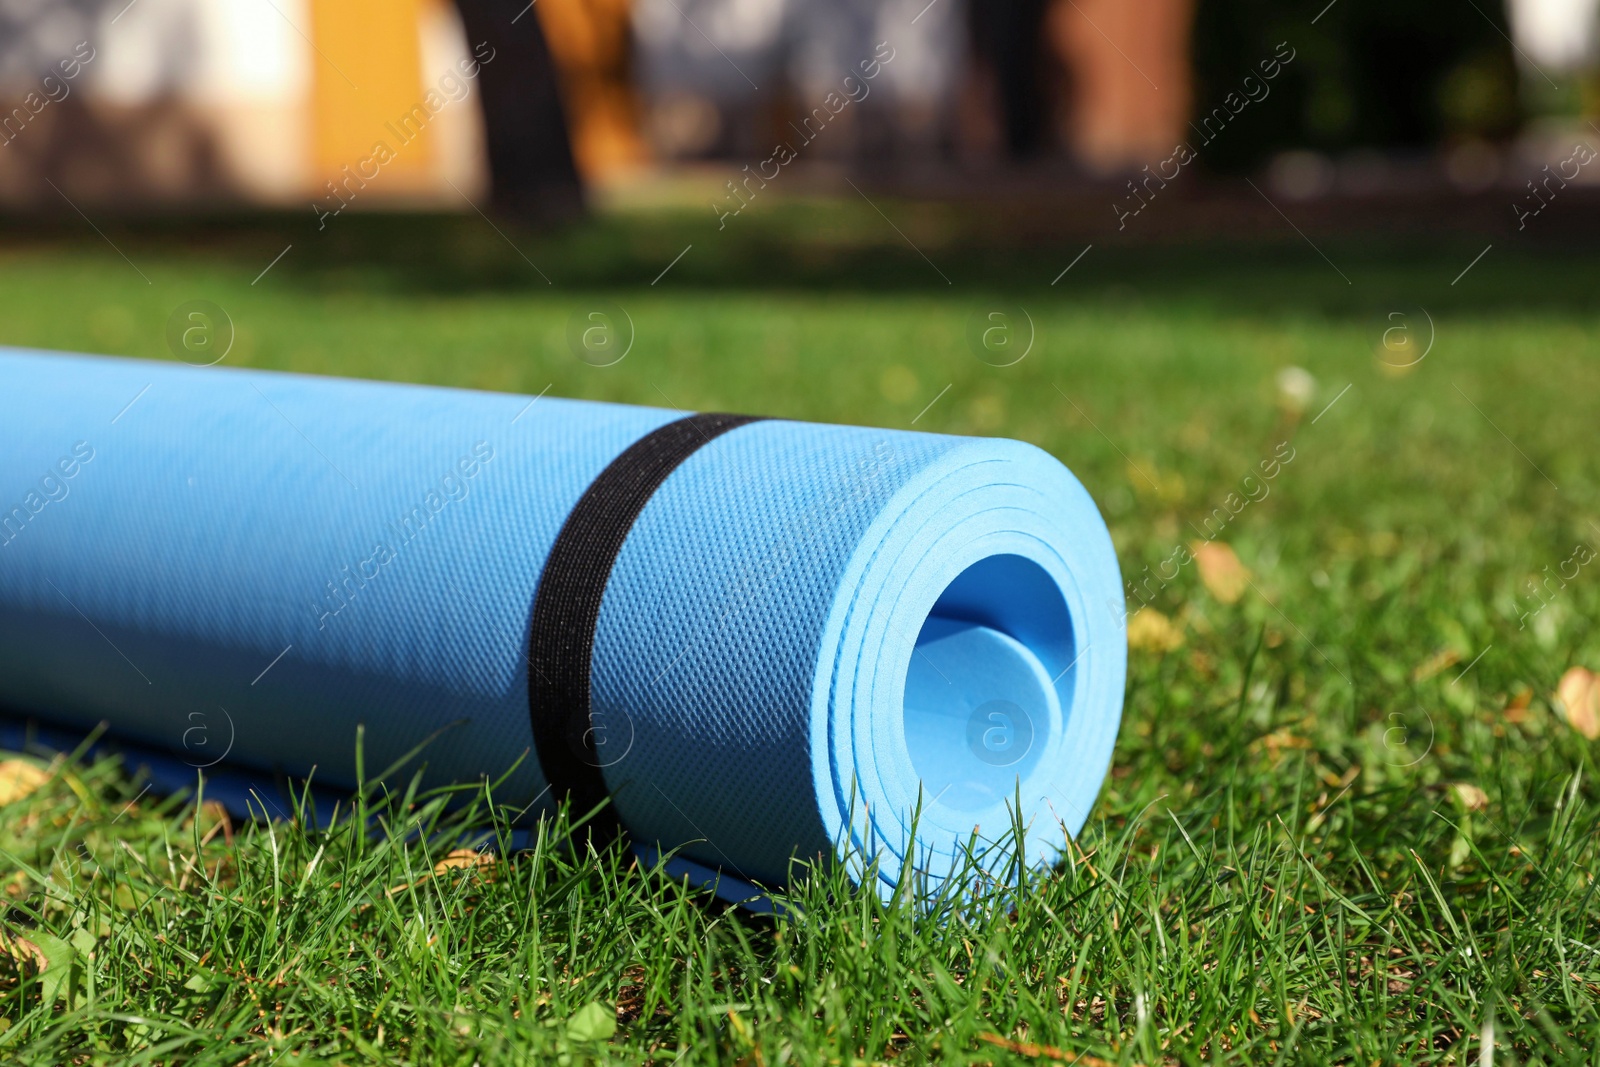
x=762, y=640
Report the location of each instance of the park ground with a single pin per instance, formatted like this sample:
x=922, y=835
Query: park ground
x=1348, y=819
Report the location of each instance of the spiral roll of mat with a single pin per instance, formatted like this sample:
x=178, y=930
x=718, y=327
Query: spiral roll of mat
x=793, y=639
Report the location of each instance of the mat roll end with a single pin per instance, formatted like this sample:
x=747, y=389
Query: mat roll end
x=824, y=637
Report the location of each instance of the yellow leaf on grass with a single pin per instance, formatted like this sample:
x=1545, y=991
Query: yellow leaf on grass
x=18, y=778
x=24, y=951
x=1151, y=631
x=464, y=857
x=1578, y=700
x=1516, y=709
x=1047, y=1052
x=1434, y=664
x=1224, y=576
x=457, y=859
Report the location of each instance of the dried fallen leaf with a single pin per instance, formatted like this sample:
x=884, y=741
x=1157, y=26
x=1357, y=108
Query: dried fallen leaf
x=1472, y=798
x=1435, y=663
x=1151, y=631
x=20, y=777
x=1278, y=740
x=1224, y=576
x=1050, y=1052
x=1578, y=700
x=214, y=816
x=455, y=859
x=22, y=950
x=464, y=857
x=1517, y=710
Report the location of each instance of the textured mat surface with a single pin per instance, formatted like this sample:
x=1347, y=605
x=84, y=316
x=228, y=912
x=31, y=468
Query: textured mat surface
x=808, y=631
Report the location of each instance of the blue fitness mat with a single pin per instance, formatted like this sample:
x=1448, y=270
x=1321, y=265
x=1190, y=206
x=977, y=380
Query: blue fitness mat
x=805, y=638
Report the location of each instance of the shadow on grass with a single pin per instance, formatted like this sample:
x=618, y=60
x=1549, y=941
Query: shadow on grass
x=835, y=246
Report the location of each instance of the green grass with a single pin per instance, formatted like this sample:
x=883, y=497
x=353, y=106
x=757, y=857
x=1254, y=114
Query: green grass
x=1285, y=864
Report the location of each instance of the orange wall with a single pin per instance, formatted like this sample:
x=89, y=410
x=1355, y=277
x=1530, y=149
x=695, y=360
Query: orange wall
x=366, y=76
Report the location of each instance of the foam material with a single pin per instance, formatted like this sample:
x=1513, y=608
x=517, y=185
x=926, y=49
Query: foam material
x=809, y=631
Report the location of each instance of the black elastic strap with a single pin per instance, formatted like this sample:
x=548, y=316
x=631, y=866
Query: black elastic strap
x=566, y=608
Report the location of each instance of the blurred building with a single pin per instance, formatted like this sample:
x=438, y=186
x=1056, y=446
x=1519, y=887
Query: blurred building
x=339, y=102
x=731, y=77
x=262, y=101
x=1103, y=81
x=282, y=102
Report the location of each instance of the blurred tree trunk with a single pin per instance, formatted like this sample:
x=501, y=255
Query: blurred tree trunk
x=1007, y=35
x=531, y=170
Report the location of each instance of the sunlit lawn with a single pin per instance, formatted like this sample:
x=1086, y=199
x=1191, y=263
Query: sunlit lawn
x=1346, y=821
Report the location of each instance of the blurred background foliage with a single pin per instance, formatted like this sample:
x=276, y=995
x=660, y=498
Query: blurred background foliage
x=1398, y=75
